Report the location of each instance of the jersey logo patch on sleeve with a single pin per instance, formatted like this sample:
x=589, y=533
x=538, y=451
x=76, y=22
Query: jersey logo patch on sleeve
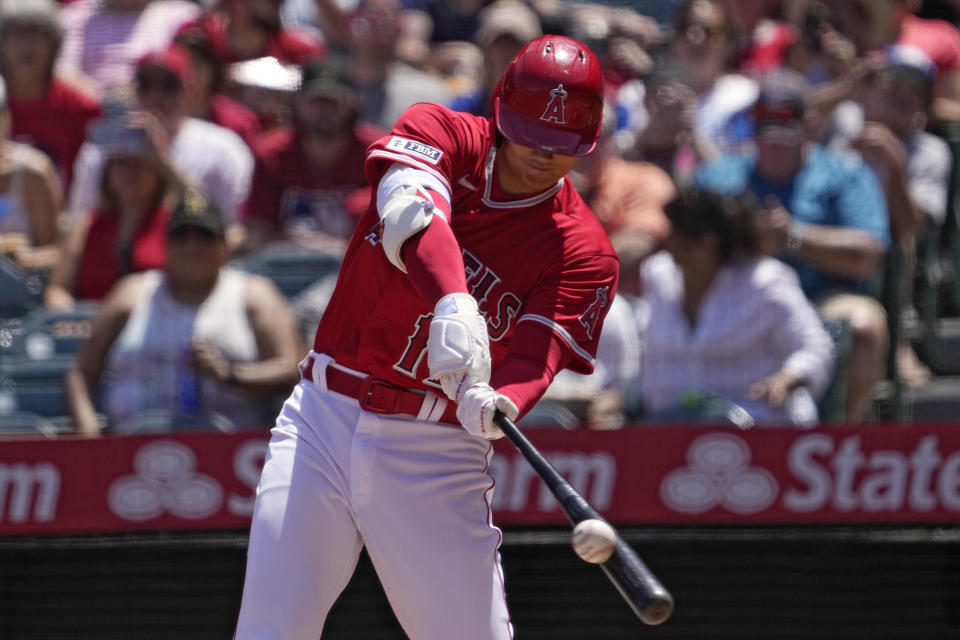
x=591, y=317
x=415, y=149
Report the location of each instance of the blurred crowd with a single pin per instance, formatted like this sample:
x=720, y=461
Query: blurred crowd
x=772, y=173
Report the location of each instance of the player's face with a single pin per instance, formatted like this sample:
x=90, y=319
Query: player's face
x=527, y=170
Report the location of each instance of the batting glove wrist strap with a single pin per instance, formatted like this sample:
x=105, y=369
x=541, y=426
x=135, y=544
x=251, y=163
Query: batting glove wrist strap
x=476, y=409
x=458, y=346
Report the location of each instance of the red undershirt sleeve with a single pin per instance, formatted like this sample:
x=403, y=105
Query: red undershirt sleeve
x=433, y=258
x=536, y=355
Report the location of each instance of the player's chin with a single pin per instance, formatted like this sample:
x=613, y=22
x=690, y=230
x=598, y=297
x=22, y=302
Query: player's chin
x=541, y=180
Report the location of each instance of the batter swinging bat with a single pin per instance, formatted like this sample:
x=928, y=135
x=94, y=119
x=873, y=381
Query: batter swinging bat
x=652, y=603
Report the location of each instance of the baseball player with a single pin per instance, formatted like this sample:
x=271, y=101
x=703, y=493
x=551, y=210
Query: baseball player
x=475, y=256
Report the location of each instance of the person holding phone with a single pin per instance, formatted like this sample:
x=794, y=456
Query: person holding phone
x=124, y=232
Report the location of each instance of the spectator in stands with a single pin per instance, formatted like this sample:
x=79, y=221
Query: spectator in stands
x=628, y=199
x=912, y=165
x=249, y=29
x=206, y=98
x=196, y=337
x=872, y=26
x=305, y=173
x=207, y=156
x=30, y=200
x=667, y=137
x=763, y=36
x=703, y=44
x=104, y=39
x=45, y=112
x=126, y=232
x=726, y=321
x=504, y=27
x=387, y=84
x=824, y=213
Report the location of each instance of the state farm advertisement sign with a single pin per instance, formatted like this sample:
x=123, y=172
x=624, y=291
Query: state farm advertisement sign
x=643, y=475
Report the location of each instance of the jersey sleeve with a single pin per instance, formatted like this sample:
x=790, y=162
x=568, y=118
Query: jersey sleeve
x=428, y=137
x=573, y=302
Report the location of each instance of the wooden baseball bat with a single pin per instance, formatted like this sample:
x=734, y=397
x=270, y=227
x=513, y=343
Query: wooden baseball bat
x=648, y=598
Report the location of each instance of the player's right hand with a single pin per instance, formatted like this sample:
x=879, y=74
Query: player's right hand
x=458, y=346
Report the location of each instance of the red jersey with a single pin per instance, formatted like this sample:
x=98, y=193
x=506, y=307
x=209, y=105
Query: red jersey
x=541, y=258
x=56, y=124
x=936, y=38
x=287, y=193
x=103, y=261
x=230, y=114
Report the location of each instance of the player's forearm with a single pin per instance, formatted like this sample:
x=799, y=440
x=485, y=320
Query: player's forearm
x=535, y=357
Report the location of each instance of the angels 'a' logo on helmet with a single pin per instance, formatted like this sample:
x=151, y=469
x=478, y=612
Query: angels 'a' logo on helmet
x=556, y=110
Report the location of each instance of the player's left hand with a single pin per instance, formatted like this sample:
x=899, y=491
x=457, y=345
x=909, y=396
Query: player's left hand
x=458, y=347
x=476, y=409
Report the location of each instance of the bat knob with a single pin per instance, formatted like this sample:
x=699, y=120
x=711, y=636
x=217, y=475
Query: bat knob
x=659, y=610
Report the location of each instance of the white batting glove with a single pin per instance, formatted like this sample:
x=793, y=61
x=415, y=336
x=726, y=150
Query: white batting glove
x=458, y=346
x=477, y=406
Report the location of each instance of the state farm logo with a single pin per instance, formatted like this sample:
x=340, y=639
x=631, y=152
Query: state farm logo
x=165, y=481
x=719, y=475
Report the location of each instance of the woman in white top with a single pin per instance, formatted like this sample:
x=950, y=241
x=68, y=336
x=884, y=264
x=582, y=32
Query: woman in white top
x=728, y=322
x=194, y=339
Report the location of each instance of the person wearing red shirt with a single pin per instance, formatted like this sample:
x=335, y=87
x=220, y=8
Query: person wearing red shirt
x=125, y=232
x=250, y=29
x=305, y=173
x=205, y=96
x=45, y=112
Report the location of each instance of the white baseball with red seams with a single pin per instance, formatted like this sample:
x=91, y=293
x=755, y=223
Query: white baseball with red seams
x=594, y=540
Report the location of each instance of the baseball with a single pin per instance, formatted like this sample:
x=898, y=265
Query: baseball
x=594, y=540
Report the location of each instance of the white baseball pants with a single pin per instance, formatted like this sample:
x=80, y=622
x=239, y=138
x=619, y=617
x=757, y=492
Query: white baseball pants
x=416, y=493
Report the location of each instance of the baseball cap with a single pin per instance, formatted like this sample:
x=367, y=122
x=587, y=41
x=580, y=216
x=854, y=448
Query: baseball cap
x=781, y=102
x=507, y=18
x=174, y=59
x=35, y=13
x=196, y=210
x=327, y=78
x=905, y=55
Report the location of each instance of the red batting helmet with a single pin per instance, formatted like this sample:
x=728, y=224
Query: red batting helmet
x=551, y=97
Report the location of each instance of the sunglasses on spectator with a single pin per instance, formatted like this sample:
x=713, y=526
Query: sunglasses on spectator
x=166, y=82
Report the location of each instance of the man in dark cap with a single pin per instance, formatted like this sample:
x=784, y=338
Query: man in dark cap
x=825, y=215
x=305, y=173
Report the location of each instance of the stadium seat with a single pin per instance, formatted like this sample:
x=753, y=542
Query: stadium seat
x=34, y=386
x=291, y=268
x=20, y=290
x=26, y=423
x=549, y=413
x=43, y=334
x=164, y=421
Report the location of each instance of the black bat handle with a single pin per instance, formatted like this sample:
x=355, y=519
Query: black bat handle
x=648, y=598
